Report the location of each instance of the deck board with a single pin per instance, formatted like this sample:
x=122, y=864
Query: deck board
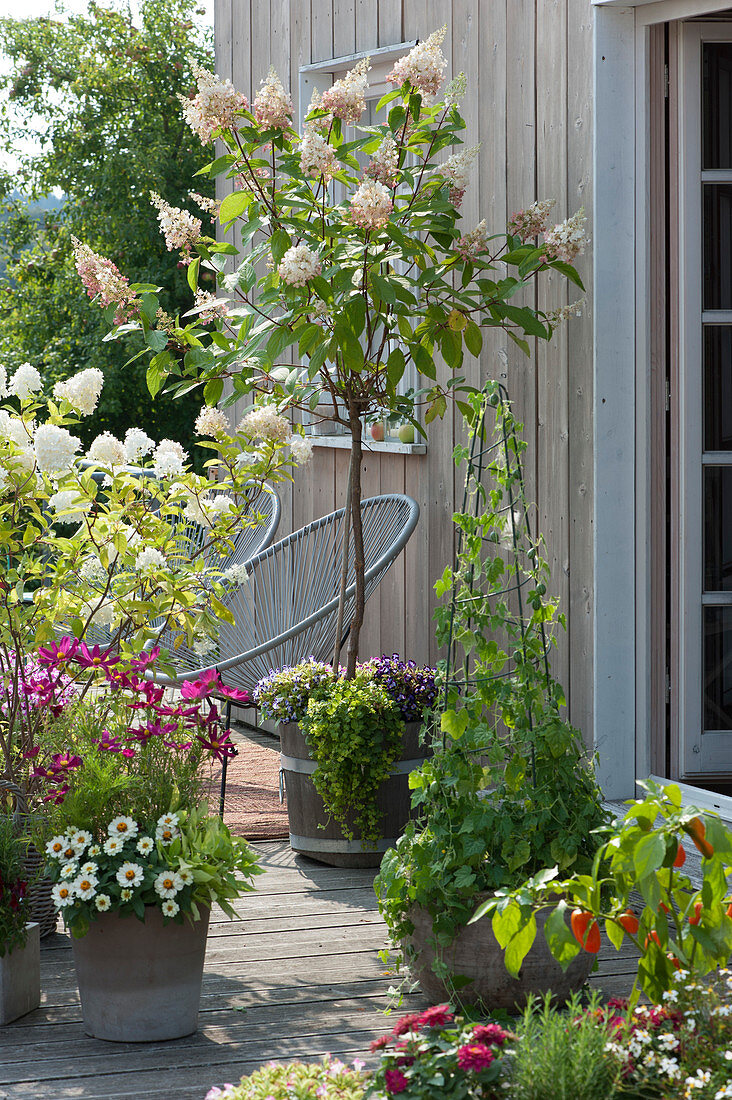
x=297, y=975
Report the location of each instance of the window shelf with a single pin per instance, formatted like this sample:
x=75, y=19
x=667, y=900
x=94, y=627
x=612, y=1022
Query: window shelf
x=343, y=443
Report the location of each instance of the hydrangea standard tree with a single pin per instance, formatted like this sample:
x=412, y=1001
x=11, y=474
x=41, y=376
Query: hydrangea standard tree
x=365, y=271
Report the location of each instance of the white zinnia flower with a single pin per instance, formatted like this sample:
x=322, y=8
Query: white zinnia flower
x=63, y=894
x=145, y=845
x=125, y=827
x=69, y=870
x=137, y=444
x=150, y=560
x=82, y=390
x=79, y=840
x=89, y=868
x=85, y=887
x=114, y=845
x=125, y=893
x=102, y=902
x=170, y=908
x=168, y=883
x=107, y=450
x=56, y=847
x=185, y=875
x=130, y=874
x=55, y=448
x=25, y=382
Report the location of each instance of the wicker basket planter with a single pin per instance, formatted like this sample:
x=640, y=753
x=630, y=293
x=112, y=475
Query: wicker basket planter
x=313, y=832
x=41, y=908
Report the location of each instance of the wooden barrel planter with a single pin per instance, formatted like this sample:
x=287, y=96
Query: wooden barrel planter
x=476, y=954
x=312, y=832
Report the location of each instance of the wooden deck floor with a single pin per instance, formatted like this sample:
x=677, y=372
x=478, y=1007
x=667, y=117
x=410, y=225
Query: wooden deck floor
x=298, y=975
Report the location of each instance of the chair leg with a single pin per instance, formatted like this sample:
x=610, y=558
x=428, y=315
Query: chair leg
x=225, y=764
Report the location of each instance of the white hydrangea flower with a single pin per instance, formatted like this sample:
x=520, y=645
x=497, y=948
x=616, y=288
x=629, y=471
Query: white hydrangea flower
x=384, y=165
x=532, y=221
x=301, y=449
x=167, y=884
x=567, y=240
x=265, y=423
x=101, y=613
x=73, y=506
x=107, y=450
x=245, y=459
x=209, y=205
x=214, y=107
x=317, y=157
x=92, y=571
x=25, y=382
x=472, y=244
x=54, y=448
x=180, y=229
x=210, y=306
x=272, y=106
x=3, y=383
x=236, y=575
x=211, y=421
x=82, y=390
x=423, y=66
x=4, y=482
x=137, y=444
x=149, y=560
x=168, y=464
x=298, y=265
x=346, y=99
x=371, y=205
x=203, y=645
x=456, y=170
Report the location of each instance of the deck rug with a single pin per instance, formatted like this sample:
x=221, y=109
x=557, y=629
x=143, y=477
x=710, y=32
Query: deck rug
x=253, y=808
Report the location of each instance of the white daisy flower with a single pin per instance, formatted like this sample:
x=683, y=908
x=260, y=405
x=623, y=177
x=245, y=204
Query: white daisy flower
x=170, y=908
x=168, y=884
x=125, y=893
x=130, y=874
x=167, y=828
x=168, y=819
x=123, y=827
x=103, y=902
x=89, y=868
x=56, y=847
x=63, y=894
x=94, y=851
x=145, y=845
x=114, y=845
x=80, y=839
x=69, y=870
x=85, y=887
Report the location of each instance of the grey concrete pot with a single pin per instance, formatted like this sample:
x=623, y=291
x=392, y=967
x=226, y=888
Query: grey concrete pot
x=20, y=978
x=140, y=981
x=476, y=954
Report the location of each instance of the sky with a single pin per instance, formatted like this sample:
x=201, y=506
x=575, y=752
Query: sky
x=30, y=9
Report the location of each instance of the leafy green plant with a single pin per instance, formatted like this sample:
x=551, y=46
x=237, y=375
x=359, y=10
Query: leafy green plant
x=354, y=733
x=13, y=887
x=364, y=286
x=560, y=1054
x=679, y=925
x=330, y=1079
x=509, y=781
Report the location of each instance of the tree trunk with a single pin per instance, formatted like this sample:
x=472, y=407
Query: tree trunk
x=354, y=503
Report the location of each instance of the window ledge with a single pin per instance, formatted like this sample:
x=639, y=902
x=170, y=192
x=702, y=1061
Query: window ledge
x=391, y=446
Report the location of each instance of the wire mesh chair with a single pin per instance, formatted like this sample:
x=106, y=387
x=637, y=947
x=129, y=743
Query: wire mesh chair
x=288, y=608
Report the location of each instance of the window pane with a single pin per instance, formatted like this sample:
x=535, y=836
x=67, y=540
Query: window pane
x=717, y=388
x=717, y=91
x=717, y=668
x=717, y=246
x=717, y=528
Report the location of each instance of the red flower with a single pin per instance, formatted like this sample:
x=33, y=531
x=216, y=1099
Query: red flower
x=489, y=1033
x=407, y=1023
x=436, y=1016
x=380, y=1043
x=395, y=1081
x=475, y=1056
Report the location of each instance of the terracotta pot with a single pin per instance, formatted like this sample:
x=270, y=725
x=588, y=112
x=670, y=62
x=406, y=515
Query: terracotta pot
x=20, y=978
x=140, y=981
x=316, y=835
x=476, y=954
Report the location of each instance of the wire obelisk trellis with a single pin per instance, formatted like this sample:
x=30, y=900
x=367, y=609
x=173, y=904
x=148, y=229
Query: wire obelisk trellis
x=494, y=449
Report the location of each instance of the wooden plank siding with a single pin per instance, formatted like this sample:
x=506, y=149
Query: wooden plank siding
x=529, y=104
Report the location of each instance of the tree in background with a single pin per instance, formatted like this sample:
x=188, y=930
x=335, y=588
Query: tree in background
x=98, y=95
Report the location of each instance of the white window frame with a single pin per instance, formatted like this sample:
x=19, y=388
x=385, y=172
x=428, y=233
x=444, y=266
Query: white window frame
x=319, y=76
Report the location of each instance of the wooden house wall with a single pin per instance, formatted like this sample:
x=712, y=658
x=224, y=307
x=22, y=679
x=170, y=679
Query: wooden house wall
x=529, y=104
